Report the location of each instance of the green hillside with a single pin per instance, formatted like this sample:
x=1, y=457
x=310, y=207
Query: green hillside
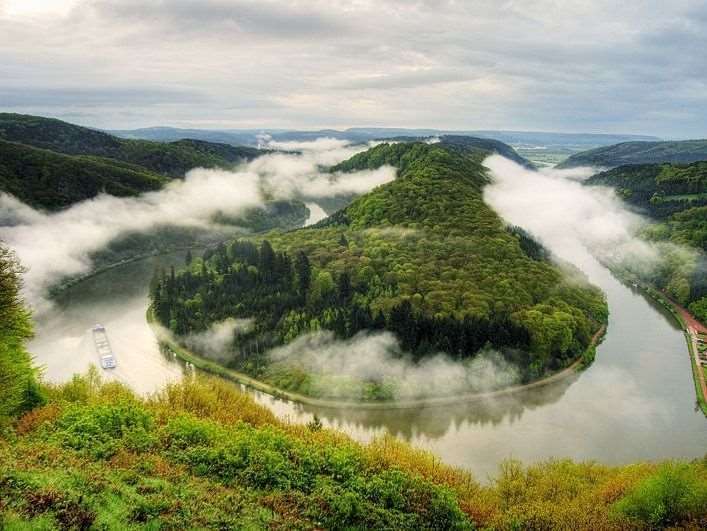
x=674, y=197
x=53, y=164
x=659, y=190
x=422, y=256
x=678, y=152
x=51, y=180
x=171, y=159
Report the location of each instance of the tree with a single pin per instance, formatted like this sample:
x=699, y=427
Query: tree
x=188, y=258
x=323, y=286
x=18, y=388
x=344, y=287
x=303, y=273
x=267, y=259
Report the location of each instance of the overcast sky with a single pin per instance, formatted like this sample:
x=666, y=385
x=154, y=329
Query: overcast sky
x=631, y=66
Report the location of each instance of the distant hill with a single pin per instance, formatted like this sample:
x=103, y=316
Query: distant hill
x=363, y=134
x=678, y=152
x=53, y=164
x=170, y=134
x=659, y=190
x=486, y=145
x=43, y=178
x=170, y=159
x=674, y=196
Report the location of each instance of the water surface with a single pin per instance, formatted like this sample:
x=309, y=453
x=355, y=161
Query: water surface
x=637, y=401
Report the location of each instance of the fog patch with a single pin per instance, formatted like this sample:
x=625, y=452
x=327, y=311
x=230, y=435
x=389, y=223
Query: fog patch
x=316, y=214
x=391, y=232
x=54, y=246
x=343, y=368
x=216, y=342
x=568, y=217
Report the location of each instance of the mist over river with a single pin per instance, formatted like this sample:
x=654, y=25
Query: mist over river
x=637, y=400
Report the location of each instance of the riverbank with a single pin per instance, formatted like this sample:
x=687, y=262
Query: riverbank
x=72, y=281
x=690, y=326
x=209, y=366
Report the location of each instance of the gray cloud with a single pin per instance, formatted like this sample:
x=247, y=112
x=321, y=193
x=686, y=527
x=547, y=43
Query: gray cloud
x=594, y=66
x=212, y=17
x=90, y=96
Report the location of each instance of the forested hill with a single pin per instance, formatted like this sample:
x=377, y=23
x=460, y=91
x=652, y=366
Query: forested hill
x=172, y=159
x=679, y=152
x=422, y=256
x=482, y=146
x=674, y=196
x=659, y=190
x=50, y=180
x=53, y=164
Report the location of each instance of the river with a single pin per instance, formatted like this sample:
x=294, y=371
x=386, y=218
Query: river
x=637, y=401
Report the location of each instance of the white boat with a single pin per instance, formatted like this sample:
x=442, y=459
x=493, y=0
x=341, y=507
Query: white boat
x=103, y=348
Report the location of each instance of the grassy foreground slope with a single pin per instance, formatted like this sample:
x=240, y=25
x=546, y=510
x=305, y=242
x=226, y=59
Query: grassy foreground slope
x=423, y=257
x=202, y=455
x=679, y=152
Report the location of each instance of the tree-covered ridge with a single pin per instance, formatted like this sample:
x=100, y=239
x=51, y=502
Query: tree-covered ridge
x=171, y=159
x=53, y=164
x=51, y=180
x=659, y=190
x=677, y=152
x=422, y=256
x=674, y=197
x=482, y=146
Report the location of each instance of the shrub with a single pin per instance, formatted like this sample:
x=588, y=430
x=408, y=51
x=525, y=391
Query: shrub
x=101, y=430
x=674, y=494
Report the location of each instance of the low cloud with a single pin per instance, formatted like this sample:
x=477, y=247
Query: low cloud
x=215, y=342
x=565, y=215
x=342, y=368
x=58, y=245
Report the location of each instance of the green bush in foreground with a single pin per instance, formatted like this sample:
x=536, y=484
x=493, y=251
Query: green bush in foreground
x=200, y=454
x=673, y=494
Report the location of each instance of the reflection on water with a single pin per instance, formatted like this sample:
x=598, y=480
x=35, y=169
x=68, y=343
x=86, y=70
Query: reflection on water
x=636, y=402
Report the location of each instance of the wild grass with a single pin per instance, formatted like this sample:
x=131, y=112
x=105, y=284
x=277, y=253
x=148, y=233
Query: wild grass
x=200, y=454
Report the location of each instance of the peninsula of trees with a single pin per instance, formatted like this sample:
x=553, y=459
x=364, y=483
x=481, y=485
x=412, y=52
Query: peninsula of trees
x=422, y=257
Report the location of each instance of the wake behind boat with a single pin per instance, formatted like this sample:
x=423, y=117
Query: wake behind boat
x=103, y=348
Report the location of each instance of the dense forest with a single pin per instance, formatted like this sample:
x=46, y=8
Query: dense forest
x=49, y=180
x=52, y=164
x=677, y=152
x=674, y=197
x=423, y=257
x=658, y=190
